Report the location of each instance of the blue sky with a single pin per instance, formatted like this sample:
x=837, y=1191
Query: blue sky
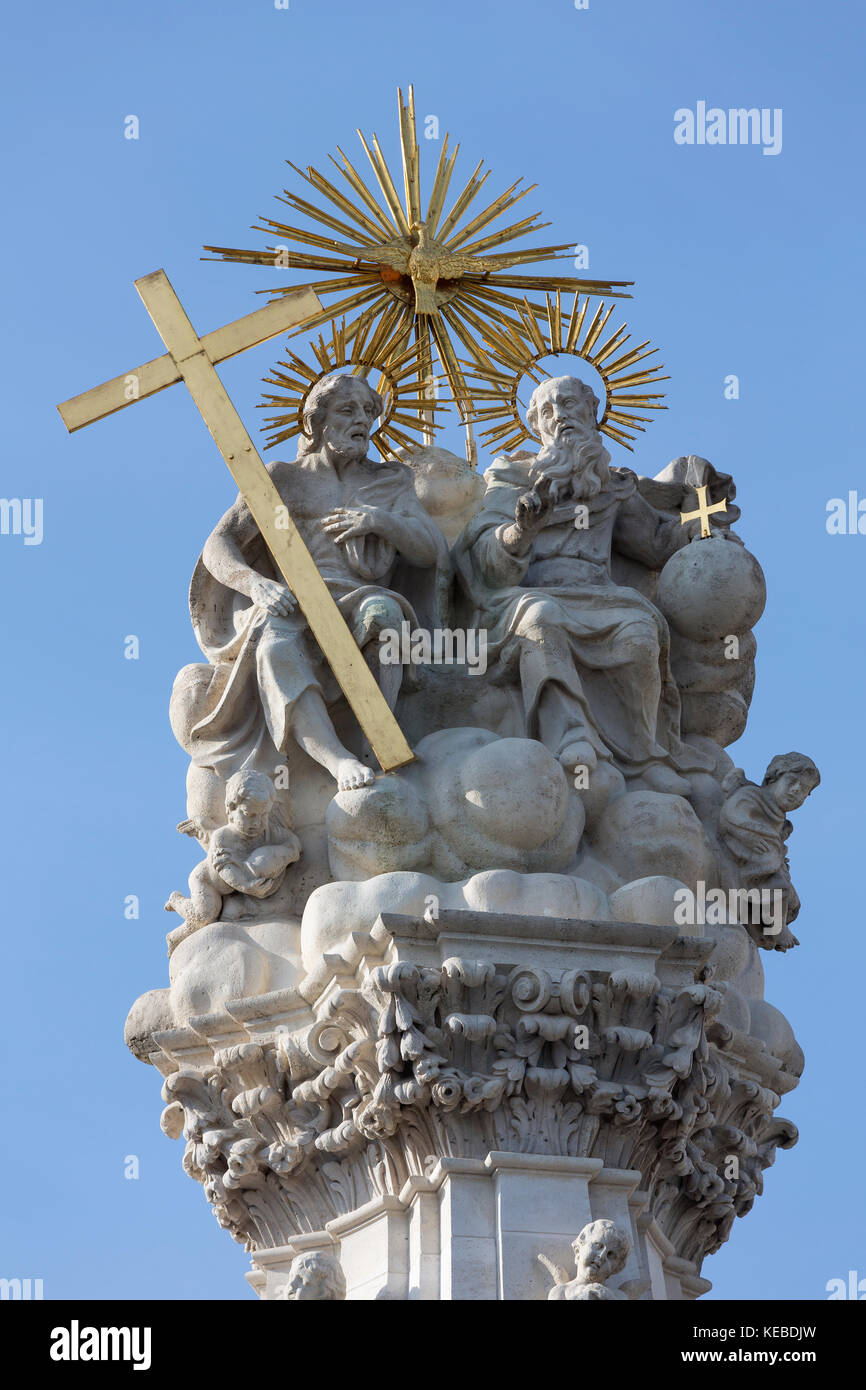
x=744, y=264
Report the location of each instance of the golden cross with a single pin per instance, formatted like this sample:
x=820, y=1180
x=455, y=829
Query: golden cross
x=192, y=360
x=704, y=511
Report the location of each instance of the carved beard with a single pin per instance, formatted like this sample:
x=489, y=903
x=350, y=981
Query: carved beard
x=577, y=465
x=343, y=454
x=349, y=453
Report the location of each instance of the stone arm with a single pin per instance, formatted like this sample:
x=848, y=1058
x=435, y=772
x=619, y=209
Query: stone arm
x=236, y=876
x=224, y=557
x=556, y=1272
x=260, y=873
x=648, y=527
x=408, y=528
x=642, y=533
x=501, y=538
x=223, y=553
x=225, y=861
x=496, y=562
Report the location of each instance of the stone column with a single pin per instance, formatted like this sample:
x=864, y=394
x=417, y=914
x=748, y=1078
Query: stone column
x=441, y=1102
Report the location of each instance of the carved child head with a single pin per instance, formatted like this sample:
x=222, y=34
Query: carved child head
x=790, y=778
x=249, y=798
x=315, y=1275
x=601, y=1251
x=339, y=415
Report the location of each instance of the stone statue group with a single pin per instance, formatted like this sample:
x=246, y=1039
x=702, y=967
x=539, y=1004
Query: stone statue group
x=484, y=950
x=592, y=752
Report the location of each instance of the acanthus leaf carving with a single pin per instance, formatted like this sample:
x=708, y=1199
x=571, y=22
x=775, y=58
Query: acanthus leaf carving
x=419, y=1062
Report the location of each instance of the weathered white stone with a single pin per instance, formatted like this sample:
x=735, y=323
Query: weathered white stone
x=338, y=909
x=151, y=1013
x=650, y=834
x=600, y=1251
x=711, y=589
x=232, y=960
x=651, y=899
x=448, y=488
x=507, y=1039
x=425, y=1027
x=315, y=1276
x=471, y=801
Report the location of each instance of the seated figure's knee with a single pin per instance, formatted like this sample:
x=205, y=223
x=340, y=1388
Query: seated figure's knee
x=378, y=613
x=641, y=638
x=538, y=618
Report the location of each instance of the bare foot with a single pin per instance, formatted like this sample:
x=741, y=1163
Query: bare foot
x=658, y=778
x=352, y=774
x=171, y=905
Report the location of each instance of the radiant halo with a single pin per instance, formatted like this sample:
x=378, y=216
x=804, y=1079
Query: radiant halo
x=375, y=347
x=513, y=352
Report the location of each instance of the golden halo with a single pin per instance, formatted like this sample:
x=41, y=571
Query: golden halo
x=514, y=351
x=384, y=351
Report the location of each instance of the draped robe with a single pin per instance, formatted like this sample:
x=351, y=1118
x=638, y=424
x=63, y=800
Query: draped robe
x=264, y=663
x=556, y=615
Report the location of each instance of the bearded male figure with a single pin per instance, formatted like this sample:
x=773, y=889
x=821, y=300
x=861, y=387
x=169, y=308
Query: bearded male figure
x=592, y=655
x=359, y=518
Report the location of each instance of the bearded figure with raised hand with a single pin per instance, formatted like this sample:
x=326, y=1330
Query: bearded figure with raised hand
x=593, y=656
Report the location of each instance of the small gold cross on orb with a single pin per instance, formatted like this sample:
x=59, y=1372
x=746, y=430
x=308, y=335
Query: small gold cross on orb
x=704, y=511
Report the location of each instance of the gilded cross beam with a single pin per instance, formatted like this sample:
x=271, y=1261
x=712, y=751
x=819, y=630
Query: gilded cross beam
x=192, y=359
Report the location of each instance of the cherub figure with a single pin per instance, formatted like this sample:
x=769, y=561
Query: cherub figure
x=600, y=1251
x=250, y=854
x=314, y=1275
x=754, y=828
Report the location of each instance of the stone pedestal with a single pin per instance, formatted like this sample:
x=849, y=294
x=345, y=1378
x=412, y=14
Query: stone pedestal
x=474, y=1228
x=442, y=1101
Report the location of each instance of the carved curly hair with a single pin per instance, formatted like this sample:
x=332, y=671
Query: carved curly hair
x=791, y=762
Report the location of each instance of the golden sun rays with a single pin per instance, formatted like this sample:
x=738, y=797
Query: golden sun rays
x=439, y=280
x=513, y=352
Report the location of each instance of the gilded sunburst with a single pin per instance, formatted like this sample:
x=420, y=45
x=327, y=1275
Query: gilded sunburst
x=442, y=272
